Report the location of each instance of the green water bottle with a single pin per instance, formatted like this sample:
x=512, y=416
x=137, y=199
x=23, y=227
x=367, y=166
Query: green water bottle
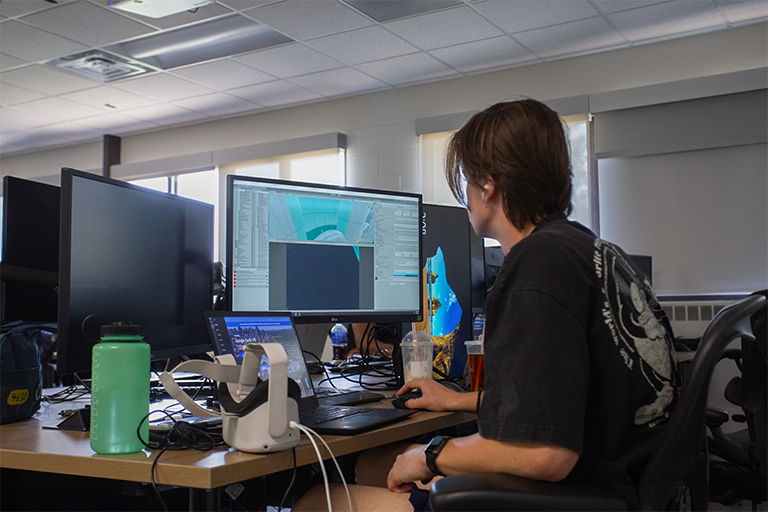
x=119, y=390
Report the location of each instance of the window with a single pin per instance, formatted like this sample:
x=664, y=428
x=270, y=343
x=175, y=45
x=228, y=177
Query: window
x=326, y=166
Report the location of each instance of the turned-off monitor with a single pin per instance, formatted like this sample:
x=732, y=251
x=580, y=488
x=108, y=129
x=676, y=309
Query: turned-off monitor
x=134, y=255
x=323, y=253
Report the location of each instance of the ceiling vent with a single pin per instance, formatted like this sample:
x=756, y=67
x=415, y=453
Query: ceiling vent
x=100, y=65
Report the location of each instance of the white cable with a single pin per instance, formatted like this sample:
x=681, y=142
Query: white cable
x=309, y=433
x=304, y=429
x=343, y=480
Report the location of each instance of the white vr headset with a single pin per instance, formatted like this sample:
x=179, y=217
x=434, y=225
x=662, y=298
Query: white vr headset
x=255, y=413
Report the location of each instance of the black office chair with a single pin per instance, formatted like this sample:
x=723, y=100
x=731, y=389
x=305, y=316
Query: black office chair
x=674, y=477
x=739, y=469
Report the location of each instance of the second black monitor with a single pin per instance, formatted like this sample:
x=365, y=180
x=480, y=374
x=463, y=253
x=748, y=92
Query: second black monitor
x=30, y=251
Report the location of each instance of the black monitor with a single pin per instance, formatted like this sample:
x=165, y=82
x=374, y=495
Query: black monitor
x=30, y=251
x=325, y=253
x=455, y=283
x=132, y=254
x=494, y=258
x=645, y=264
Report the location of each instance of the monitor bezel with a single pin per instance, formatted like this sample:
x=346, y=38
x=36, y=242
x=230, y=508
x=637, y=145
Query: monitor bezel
x=65, y=366
x=322, y=316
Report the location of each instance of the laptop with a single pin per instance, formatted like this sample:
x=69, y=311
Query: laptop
x=232, y=331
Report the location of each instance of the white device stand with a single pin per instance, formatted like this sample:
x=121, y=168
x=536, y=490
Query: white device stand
x=264, y=429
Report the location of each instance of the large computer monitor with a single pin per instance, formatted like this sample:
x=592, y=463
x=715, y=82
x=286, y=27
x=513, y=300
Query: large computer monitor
x=324, y=253
x=131, y=254
x=30, y=251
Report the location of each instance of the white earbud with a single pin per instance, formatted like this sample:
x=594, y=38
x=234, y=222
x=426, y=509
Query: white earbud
x=482, y=194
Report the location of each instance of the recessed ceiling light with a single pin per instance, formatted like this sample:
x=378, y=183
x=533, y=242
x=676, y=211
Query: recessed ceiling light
x=210, y=39
x=158, y=8
x=388, y=10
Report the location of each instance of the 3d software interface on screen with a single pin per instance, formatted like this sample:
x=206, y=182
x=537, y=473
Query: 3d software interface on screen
x=309, y=250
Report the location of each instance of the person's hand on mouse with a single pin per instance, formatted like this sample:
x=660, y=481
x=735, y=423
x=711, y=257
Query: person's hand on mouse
x=436, y=397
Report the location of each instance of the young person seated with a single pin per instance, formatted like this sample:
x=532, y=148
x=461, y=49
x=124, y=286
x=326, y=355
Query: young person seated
x=579, y=358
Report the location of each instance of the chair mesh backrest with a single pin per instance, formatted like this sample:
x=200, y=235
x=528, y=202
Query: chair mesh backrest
x=680, y=448
x=754, y=379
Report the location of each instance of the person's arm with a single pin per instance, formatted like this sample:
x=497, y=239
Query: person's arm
x=436, y=397
x=475, y=454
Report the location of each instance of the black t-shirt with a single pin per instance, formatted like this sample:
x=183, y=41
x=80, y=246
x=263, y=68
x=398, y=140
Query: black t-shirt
x=578, y=354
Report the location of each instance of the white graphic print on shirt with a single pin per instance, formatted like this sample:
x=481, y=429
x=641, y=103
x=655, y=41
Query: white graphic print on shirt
x=641, y=339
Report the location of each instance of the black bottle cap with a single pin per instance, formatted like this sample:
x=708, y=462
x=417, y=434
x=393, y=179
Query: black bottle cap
x=121, y=329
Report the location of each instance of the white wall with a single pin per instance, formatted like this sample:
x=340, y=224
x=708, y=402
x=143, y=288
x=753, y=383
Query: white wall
x=383, y=147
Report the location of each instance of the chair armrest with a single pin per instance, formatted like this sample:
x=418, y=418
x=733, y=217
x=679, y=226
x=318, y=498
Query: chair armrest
x=496, y=491
x=715, y=417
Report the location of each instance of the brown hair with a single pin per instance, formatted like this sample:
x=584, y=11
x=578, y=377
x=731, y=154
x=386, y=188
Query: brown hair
x=521, y=145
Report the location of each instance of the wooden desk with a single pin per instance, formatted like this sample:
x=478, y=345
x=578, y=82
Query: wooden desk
x=25, y=445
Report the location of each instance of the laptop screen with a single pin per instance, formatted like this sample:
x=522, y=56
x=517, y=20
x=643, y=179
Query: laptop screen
x=231, y=332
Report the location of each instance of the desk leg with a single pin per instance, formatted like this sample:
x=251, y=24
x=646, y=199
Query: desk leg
x=203, y=499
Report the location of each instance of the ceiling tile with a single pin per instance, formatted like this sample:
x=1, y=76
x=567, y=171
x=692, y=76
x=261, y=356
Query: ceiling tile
x=223, y=74
x=21, y=7
x=33, y=44
x=14, y=119
x=664, y=20
x=163, y=87
x=364, y=45
x=289, y=60
x=59, y=109
x=176, y=20
x=571, y=38
x=218, y=104
x=743, y=10
x=387, y=10
x=274, y=94
x=489, y=54
x=609, y=6
x=301, y=19
x=45, y=80
x=444, y=28
x=339, y=82
x=518, y=15
x=109, y=99
x=115, y=124
x=164, y=115
x=10, y=95
x=8, y=62
x=419, y=67
x=87, y=23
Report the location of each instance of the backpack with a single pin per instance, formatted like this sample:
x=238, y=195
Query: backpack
x=21, y=371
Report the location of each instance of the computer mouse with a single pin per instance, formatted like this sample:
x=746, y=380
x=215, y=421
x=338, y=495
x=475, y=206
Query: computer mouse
x=399, y=402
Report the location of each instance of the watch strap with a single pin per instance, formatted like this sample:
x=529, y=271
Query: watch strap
x=432, y=450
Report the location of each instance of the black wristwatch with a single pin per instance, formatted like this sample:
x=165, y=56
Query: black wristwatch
x=433, y=450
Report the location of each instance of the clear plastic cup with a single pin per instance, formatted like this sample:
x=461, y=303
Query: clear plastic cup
x=417, y=349
x=476, y=363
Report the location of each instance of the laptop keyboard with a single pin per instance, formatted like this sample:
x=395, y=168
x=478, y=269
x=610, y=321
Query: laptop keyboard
x=322, y=414
x=328, y=392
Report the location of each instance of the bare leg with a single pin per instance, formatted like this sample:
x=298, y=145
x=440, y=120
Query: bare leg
x=370, y=499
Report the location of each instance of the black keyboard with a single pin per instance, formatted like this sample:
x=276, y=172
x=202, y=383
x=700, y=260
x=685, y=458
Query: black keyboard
x=322, y=414
x=326, y=392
